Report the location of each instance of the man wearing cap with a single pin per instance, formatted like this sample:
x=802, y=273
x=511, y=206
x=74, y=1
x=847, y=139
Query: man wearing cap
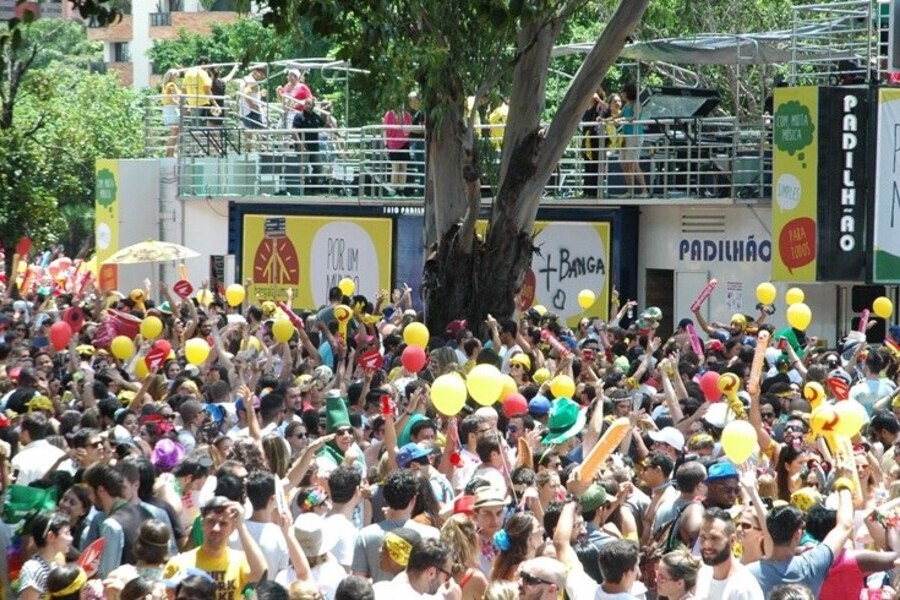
x=337, y=422
x=669, y=441
x=566, y=421
x=231, y=569
x=488, y=509
x=595, y=509
x=539, y=409
x=736, y=329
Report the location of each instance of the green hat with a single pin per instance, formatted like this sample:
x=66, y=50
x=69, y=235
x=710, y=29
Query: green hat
x=336, y=415
x=405, y=435
x=566, y=420
x=593, y=498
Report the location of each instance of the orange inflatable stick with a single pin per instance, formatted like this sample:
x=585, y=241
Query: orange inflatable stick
x=605, y=446
x=759, y=356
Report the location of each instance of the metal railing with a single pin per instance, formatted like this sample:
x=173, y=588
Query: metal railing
x=160, y=19
x=222, y=153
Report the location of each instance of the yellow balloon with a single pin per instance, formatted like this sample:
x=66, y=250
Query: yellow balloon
x=883, y=307
x=562, y=386
x=794, y=296
x=141, y=369
x=586, y=299
x=416, y=334
x=485, y=384
x=851, y=417
x=448, y=394
x=122, y=347
x=151, y=327
x=509, y=386
x=252, y=343
x=196, y=351
x=234, y=294
x=204, y=297
x=283, y=330
x=739, y=441
x=799, y=316
x=814, y=393
x=347, y=286
x=766, y=293
x=541, y=375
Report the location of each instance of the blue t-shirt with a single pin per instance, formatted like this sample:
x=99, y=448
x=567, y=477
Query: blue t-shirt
x=810, y=569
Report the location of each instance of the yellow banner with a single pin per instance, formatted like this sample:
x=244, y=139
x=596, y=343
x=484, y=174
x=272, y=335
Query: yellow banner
x=795, y=176
x=106, y=220
x=573, y=257
x=312, y=254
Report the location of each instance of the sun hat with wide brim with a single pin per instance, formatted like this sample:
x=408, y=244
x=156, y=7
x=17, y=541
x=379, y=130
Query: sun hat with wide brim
x=566, y=420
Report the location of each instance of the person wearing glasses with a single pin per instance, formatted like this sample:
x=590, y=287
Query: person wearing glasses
x=428, y=572
x=335, y=452
x=541, y=578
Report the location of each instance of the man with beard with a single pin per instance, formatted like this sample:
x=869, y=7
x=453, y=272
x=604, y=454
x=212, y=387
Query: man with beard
x=722, y=489
x=541, y=578
x=722, y=576
x=427, y=574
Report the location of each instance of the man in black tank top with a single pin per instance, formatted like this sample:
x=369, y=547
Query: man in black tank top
x=120, y=519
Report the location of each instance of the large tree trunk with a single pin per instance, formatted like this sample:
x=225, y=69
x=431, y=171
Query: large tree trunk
x=468, y=278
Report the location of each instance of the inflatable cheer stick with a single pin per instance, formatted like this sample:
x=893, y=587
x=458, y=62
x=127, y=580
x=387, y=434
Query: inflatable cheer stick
x=605, y=446
x=554, y=343
x=705, y=293
x=695, y=340
x=759, y=357
x=863, y=320
x=297, y=321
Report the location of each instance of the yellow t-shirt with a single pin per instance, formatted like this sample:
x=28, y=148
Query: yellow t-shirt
x=231, y=571
x=197, y=86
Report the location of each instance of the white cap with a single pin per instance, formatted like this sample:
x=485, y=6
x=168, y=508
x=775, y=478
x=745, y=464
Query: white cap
x=670, y=436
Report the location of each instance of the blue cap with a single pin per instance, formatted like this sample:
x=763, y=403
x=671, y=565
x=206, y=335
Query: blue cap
x=387, y=312
x=216, y=411
x=410, y=452
x=539, y=405
x=721, y=470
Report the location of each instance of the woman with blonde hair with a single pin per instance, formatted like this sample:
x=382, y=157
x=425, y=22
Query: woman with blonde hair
x=276, y=452
x=459, y=534
x=171, y=103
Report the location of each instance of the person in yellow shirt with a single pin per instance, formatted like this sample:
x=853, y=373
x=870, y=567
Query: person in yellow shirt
x=231, y=569
x=197, y=88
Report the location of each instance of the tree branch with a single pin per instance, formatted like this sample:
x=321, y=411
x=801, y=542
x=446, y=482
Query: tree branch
x=578, y=97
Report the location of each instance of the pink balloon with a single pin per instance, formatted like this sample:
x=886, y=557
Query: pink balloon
x=413, y=359
x=60, y=334
x=515, y=404
x=709, y=383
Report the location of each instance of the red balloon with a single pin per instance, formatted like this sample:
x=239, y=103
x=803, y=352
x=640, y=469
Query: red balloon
x=60, y=334
x=515, y=404
x=709, y=383
x=413, y=359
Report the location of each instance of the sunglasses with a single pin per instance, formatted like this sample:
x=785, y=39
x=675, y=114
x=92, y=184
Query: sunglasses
x=344, y=432
x=301, y=435
x=97, y=444
x=529, y=579
x=767, y=415
x=747, y=526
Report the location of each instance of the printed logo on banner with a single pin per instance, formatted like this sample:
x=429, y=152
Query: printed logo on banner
x=275, y=261
x=795, y=171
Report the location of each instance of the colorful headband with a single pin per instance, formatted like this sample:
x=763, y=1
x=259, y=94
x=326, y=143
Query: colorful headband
x=73, y=587
x=316, y=497
x=397, y=548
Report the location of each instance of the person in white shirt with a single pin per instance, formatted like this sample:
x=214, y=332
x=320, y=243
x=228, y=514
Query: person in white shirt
x=261, y=493
x=343, y=483
x=427, y=574
x=722, y=577
x=469, y=429
x=36, y=455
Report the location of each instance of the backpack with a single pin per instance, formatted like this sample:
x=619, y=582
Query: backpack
x=665, y=540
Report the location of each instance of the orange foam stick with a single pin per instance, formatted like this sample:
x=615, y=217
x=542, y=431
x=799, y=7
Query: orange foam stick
x=759, y=356
x=605, y=446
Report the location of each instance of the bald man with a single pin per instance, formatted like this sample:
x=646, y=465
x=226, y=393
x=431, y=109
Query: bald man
x=541, y=578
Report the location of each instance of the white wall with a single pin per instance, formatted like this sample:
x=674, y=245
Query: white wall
x=661, y=246
x=140, y=42
x=138, y=215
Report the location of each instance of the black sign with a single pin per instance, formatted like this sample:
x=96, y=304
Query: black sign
x=844, y=167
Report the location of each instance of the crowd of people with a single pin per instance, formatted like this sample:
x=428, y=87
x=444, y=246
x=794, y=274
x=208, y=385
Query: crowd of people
x=322, y=465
